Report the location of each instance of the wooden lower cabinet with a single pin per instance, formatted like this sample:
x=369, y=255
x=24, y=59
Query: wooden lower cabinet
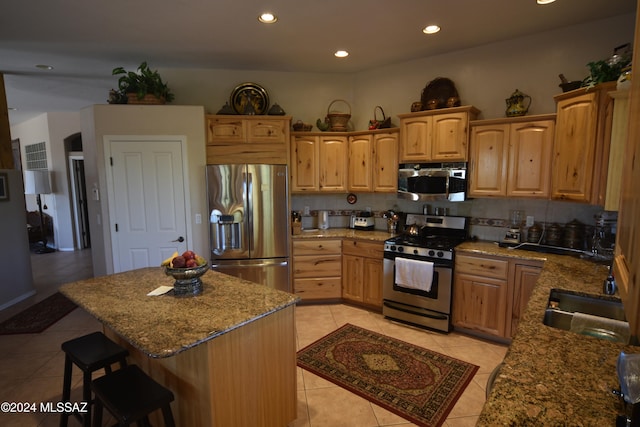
x=491, y=293
x=317, y=269
x=524, y=280
x=480, y=294
x=362, y=272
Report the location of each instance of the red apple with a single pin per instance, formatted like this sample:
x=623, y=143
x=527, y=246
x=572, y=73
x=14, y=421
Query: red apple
x=191, y=263
x=178, y=262
x=189, y=255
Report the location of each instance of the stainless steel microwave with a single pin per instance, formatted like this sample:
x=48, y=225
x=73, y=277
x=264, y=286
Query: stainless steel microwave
x=433, y=181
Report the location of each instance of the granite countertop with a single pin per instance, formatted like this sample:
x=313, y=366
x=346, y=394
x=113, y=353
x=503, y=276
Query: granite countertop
x=344, y=233
x=162, y=326
x=550, y=376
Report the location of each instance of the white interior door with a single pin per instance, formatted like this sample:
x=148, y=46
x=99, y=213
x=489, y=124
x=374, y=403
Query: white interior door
x=147, y=202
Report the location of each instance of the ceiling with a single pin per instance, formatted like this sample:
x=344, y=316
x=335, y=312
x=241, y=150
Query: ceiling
x=85, y=40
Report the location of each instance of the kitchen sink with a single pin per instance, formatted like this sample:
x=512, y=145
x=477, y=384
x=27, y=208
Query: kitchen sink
x=600, y=317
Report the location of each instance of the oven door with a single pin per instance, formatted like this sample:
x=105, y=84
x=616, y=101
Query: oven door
x=437, y=299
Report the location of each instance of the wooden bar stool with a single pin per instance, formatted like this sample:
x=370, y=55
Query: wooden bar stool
x=130, y=396
x=89, y=353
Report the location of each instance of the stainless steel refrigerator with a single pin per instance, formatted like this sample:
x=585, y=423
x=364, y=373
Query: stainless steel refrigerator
x=249, y=222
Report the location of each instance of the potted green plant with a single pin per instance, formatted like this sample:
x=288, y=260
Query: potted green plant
x=136, y=87
x=604, y=71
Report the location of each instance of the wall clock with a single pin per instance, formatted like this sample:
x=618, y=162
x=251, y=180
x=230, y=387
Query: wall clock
x=249, y=98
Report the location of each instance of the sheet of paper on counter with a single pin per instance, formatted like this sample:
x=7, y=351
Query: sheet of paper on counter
x=159, y=291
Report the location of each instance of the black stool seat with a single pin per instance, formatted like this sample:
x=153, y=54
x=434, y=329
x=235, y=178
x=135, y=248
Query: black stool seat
x=130, y=395
x=89, y=353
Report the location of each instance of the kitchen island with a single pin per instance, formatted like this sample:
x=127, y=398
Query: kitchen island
x=551, y=376
x=229, y=354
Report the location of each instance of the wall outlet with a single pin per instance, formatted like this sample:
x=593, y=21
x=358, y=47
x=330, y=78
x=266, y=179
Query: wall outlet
x=198, y=218
x=306, y=211
x=529, y=222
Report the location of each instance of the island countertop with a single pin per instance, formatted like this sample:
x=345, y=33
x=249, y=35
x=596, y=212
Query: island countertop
x=550, y=376
x=162, y=326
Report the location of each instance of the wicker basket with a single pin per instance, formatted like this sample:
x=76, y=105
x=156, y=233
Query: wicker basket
x=338, y=121
x=149, y=99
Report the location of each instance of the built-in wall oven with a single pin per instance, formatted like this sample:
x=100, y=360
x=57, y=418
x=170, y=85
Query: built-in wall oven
x=418, y=271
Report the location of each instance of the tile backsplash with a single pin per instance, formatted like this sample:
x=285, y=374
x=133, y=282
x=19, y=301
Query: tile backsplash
x=489, y=217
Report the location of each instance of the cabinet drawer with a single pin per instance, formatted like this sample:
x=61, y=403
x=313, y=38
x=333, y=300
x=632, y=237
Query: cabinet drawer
x=481, y=266
x=317, y=266
x=363, y=249
x=318, y=288
x=317, y=247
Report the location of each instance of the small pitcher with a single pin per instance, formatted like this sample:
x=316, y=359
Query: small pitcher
x=515, y=104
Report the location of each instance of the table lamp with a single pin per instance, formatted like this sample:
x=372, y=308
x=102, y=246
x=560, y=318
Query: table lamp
x=37, y=182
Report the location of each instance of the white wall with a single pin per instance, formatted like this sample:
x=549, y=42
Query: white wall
x=100, y=120
x=61, y=126
x=52, y=128
x=16, y=283
x=484, y=76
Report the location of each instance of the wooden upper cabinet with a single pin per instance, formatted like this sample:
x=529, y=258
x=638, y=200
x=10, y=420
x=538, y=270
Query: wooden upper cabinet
x=224, y=129
x=259, y=131
x=450, y=137
x=436, y=135
x=365, y=161
x=511, y=157
x=360, y=163
x=415, y=137
x=581, y=146
x=530, y=148
x=304, y=164
x=385, y=162
x=574, y=149
x=488, y=157
x=333, y=151
x=247, y=139
x=373, y=162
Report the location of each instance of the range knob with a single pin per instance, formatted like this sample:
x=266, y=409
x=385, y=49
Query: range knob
x=392, y=247
x=440, y=254
x=400, y=249
x=431, y=252
x=415, y=252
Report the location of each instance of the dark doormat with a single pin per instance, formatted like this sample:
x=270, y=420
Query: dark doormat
x=39, y=316
x=413, y=382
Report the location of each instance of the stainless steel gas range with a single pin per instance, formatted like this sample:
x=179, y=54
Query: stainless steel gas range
x=417, y=285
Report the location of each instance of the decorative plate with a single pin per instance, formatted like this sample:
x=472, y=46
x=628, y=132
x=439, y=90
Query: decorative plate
x=249, y=98
x=352, y=198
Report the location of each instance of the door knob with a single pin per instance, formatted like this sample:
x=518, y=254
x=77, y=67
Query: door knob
x=179, y=239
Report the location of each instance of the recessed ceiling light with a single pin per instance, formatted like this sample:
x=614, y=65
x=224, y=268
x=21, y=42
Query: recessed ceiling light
x=341, y=53
x=44, y=67
x=431, y=29
x=267, y=18
x=545, y=1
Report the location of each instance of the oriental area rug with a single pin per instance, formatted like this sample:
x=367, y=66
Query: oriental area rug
x=419, y=385
x=39, y=316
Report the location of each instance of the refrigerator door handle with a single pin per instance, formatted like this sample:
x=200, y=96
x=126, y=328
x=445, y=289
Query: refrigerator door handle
x=253, y=264
x=248, y=197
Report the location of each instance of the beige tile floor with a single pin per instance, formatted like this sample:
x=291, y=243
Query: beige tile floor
x=31, y=365
x=323, y=404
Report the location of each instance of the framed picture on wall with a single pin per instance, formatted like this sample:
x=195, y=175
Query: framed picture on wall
x=4, y=187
